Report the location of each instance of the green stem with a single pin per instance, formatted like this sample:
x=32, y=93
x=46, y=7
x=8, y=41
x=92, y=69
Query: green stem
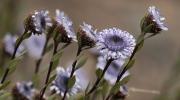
x=42, y=55
x=49, y=72
x=99, y=78
x=73, y=70
x=13, y=56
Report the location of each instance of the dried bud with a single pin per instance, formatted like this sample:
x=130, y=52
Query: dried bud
x=38, y=22
x=86, y=36
x=153, y=22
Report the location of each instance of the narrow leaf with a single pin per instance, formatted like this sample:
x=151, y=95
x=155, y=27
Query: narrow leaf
x=130, y=64
x=4, y=85
x=49, y=47
x=12, y=65
x=71, y=82
x=57, y=56
x=99, y=72
x=81, y=63
x=115, y=88
x=125, y=80
x=52, y=78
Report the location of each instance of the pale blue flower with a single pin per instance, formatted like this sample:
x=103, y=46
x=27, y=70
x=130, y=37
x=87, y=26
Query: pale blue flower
x=157, y=18
x=115, y=43
x=59, y=85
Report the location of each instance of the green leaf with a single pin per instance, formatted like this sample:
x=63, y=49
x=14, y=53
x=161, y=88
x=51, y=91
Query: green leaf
x=71, y=82
x=140, y=45
x=56, y=59
x=148, y=28
x=55, y=64
x=57, y=56
x=12, y=65
x=51, y=79
x=5, y=96
x=4, y=85
x=36, y=80
x=142, y=22
x=115, y=88
x=125, y=80
x=99, y=72
x=26, y=35
x=105, y=88
x=49, y=47
x=52, y=97
x=81, y=63
x=130, y=64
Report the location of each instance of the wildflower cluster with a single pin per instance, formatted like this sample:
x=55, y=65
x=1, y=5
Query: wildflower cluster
x=116, y=50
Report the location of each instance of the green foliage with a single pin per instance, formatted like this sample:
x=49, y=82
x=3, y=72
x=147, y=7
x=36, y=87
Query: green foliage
x=35, y=80
x=13, y=64
x=81, y=63
x=55, y=59
x=49, y=47
x=130, y=64
x=71, y=82
x=4, y=85
x=116, y=87
x=52, y=97
x=99, y=72
x=51, y=79
x=5, y=96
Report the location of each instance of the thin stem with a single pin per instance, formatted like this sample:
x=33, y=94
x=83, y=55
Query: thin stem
x=13, y=56
x=49, y=72
x=121, y=73
x=43, y=53
x=99, y=78
x=140, y=38
x=73, y=70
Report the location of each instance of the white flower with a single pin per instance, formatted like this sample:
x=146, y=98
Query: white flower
x=59, y=85
x=25, y=89
x=115, y=43
x=35, y=45
x=64, y=21
x=157, y=18
x=113, y=70
x=86, y=35
x=9, y=45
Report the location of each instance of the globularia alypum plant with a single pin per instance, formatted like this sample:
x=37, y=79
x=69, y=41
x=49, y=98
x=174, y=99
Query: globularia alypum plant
x=116, y=50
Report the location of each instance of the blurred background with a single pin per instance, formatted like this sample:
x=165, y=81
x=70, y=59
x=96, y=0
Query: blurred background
x=156, y=67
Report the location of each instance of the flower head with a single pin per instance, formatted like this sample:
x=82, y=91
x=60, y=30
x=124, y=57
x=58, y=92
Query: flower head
x=64, y=30
x=23, y=91
x=86, y=36
x=59, y=85
x=154, y=21
x=35, y=45
x=113, y=70
x=115, y=43
x=9, y=45
x=38, y=22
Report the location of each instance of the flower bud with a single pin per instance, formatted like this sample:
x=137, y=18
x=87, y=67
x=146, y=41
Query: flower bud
x=63, y=30
x=153, y=22
x=86, y=36
x=38, y=22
